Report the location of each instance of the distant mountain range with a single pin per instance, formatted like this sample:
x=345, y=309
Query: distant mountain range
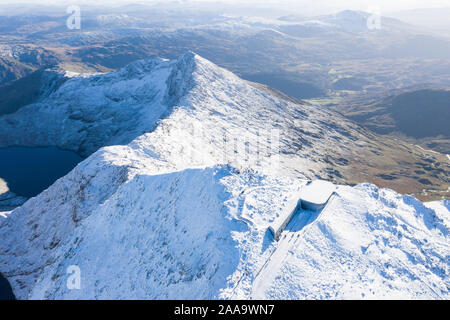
x=246, y=45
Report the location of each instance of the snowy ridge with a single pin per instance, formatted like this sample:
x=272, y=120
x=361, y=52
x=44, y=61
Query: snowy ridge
x=189, y=109
x=176, y=213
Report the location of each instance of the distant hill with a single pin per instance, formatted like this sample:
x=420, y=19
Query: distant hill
x=296, y=89
x=11, y=70
x=419, y=114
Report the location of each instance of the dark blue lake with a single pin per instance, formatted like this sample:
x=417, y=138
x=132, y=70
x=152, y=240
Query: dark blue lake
x=28, y=171
x=6, y=292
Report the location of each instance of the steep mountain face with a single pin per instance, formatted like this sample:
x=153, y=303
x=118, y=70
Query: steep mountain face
x=28, y=89
x=183, y=209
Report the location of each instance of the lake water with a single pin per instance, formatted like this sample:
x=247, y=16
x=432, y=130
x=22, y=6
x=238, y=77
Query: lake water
x=28, y=171
x=6, y=292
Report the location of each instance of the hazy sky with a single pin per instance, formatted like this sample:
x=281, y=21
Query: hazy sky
x=388, y=4
x=306, y=6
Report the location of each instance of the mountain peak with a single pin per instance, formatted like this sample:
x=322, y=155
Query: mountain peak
x=351, y=14
x=188, y=57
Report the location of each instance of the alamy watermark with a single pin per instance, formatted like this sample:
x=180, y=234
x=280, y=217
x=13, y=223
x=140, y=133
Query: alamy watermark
x=374, y=20
x=241, y=148
x=74, y=279
x=74, y=20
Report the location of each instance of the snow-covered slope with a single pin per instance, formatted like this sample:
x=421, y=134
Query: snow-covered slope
x=367, y=243
x=183, y=210
x=202, y=233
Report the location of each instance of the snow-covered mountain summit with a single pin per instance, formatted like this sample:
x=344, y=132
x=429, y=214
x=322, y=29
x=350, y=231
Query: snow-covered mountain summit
x=199, y=164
